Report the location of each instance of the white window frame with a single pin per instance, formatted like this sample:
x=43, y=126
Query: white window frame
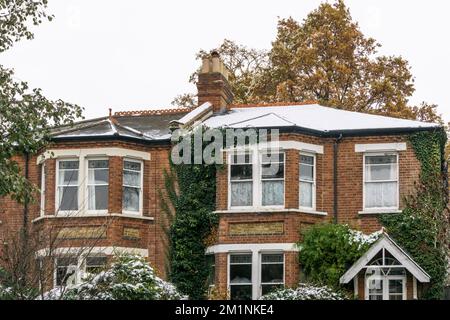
x=314, y=183
x=385, y=283
x=260, y=283
x=43, y=189
x=381, y=209
x=141, y=189
x=256, y=267
x=229, y=284
x=256, y=156
x=87, y=185
x=57, y=186
x=80, y=271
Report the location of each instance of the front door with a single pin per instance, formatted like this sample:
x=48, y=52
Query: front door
x=385, y=288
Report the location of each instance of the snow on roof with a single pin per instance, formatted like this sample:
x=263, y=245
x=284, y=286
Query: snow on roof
x=310, y=116
x=195, y=114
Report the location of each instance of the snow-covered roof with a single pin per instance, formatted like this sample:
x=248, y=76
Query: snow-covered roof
x=311, y=117
x=145, y=126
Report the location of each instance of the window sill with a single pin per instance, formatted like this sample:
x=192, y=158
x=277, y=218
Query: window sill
x=86, y=215
x=272, y=210
x=379, y=211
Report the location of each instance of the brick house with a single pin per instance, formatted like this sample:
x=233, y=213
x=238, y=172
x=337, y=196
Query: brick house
x=333, y=165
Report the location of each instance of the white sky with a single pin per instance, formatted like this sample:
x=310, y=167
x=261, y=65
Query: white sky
x=131, y=55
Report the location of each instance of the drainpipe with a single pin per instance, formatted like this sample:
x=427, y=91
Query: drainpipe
x=25, y=204
x=335, y=177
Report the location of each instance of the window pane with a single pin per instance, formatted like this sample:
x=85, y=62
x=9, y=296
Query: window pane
x=68, y=198
x=68, y=177
x=65, y=270
x=240, y=273
x=241, y=158
x=273, y=170
x=239, y=292
x=131, y=165
x=98, y=176
x=381, y=194
x=241, y=258
x=381, y=159
x=68, y=164
x=396, y=286
x=381, y=172
x=272, y=157
x=130, y=201
x=272, y=193
x=98, y=197
x=98, y=164
x=306, y=172
x=241, y=172
x=272, y=273
x=267, y=258
x=95, y=264
x=267, y=288
x=307, y=159
x=306, y=194
x=131, y=178
x=241, y=194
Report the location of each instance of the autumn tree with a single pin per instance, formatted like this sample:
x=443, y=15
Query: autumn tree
x=328, y=59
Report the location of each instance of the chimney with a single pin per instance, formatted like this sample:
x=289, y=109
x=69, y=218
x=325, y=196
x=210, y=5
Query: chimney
x=213, y=85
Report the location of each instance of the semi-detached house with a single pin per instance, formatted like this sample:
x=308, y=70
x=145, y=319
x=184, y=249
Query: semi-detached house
x=333, y=165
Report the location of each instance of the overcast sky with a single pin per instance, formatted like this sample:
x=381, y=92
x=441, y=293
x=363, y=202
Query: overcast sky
x=131, y=55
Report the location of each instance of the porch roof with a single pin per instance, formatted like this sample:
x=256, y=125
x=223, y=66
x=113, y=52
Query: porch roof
x=395, y=250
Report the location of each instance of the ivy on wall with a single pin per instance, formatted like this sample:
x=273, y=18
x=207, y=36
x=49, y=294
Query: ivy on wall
x=422, y=228
x=189, y=203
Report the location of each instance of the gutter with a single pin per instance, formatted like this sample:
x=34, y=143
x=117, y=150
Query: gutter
x=335, y=177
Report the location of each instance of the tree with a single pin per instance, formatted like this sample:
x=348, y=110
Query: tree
x=26, y=116
x=328, y=59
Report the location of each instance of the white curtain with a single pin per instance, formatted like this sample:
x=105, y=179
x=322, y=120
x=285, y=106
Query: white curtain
x=306, y=194
x=272, y=193
x=241, y=194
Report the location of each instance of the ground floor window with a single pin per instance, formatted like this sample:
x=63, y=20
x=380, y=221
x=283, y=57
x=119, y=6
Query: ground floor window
x=70, y=270
x=254, y=274
x=241, y=286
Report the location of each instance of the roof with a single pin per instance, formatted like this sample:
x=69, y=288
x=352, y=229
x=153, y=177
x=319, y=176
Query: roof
x=147, y=126
x=395, y=250
x=311, y=117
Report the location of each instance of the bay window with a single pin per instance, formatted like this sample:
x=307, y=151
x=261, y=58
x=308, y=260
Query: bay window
x=307, y=181
x=95, y=264
x=97, y=185
x=66, y=271
x=381, y=181
x=132, y=186
x=67, y=185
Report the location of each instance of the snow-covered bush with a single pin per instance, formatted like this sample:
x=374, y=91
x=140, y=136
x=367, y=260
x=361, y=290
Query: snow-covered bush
x=304, y=292
x=130, y=277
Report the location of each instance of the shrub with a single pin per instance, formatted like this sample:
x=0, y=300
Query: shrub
x=328, y=250
x=305, y=292
x=130, y=277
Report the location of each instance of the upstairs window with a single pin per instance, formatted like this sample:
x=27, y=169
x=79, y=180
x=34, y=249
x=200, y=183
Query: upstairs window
x=132, y=186
x=381, y=181
x=272, y=179
x=307, y=181
x=98, y=181
x=67, y=187
x=241, y=180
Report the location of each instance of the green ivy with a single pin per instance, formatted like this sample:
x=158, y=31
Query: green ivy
x=328, y=250
x=189, y=203
x=421, y=229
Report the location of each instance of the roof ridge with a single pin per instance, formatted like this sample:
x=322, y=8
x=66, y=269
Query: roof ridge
x=273, y=104
x=152, y=112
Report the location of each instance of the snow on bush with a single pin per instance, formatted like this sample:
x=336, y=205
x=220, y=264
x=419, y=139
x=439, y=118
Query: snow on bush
x=304, y=292
x=130, y=277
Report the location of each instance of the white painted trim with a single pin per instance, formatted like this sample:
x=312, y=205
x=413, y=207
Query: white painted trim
x=371, y=147
x=96, y=215
x=271, y=210
x=379, y=211
x=253, y=247
x=387, y=243
x=355, y=287
x=385, y=283
x=95, y=250
x=92, y=152
x=284, y=145
x=414, y=288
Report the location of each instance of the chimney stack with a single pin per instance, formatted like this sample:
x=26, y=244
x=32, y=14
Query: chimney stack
x=213, y=85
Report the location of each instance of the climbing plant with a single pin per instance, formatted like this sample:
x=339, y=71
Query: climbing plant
x=422, y=228
x=189, y=203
